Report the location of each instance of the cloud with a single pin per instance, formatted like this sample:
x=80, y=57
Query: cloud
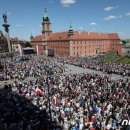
x=93, y=23
x=109, y=8
x=127, y=14
x=19, y=25
x=67, y=3
x=111, y=17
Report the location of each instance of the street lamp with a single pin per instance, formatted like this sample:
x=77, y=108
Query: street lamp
x=6, y=26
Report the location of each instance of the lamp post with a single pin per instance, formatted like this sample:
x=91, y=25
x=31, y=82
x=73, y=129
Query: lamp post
x=6, y=26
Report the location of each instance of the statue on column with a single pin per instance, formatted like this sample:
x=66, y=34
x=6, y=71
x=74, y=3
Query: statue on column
x=5, y=18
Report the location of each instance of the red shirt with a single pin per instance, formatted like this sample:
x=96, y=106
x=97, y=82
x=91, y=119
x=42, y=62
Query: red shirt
x=92, y=128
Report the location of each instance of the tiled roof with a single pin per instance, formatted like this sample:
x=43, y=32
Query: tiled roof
x=113, y=36
x=38, y=38
x=95, y=35
x=77, y=35
x=58, y=36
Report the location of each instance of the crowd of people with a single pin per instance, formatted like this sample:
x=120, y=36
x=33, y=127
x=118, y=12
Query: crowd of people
x=61, y=101
x=96, y=64
x=77, y=102
x=30, y=66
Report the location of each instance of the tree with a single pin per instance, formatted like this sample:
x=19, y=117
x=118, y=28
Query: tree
x=27, y=44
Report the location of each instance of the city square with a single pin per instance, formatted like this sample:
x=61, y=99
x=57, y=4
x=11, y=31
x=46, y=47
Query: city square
x=64, y=80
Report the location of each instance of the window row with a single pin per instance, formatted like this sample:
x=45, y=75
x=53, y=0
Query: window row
x=88, y=47
x=95, y=41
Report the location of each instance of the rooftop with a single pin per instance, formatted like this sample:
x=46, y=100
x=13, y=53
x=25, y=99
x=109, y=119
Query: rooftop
x=127, y=44
x=77, y=35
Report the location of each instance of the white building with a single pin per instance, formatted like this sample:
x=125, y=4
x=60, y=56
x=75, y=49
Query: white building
x=126, y=49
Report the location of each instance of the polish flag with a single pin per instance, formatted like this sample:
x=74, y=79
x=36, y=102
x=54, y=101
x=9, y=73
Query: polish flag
x=37, y=91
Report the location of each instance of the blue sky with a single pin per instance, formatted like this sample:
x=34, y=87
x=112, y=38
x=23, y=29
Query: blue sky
x=25, y=16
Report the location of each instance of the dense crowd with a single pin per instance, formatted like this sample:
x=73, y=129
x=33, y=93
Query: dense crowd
x=96, y=64
x=77, y=101
x=30, y=66
x=61, y=102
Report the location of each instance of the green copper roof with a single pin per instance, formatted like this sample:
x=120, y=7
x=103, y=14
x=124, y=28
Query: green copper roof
x=45, y=13
x=127, y=44
x=70, y=28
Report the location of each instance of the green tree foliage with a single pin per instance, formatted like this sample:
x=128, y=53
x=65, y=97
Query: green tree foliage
x=27, y=44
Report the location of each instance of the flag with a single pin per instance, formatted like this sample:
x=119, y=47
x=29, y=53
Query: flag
x=37, y=91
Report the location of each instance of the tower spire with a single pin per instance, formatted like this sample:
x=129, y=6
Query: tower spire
x=46, y=24
x=45, y=16
x=45, y=13
x=31, y=37
x=70, y=31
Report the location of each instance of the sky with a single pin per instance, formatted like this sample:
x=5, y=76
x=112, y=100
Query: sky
x=107, y=16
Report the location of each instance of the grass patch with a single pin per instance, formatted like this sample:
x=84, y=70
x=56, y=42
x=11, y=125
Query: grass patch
x=124, y=60
x=116, y=59
x=111, y=58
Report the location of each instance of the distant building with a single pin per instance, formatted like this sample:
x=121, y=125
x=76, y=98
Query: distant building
x=15, y=42
x=126, y=49
x=73, y=43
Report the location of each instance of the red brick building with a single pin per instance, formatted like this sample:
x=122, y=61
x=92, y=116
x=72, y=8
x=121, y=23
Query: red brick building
x=73, y=43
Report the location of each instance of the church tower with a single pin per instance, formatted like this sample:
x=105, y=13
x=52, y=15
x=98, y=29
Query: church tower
x=70, y=32
x=46, y=24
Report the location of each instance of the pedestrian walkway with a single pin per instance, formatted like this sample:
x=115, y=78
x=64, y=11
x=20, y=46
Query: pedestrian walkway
x=76, y=69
